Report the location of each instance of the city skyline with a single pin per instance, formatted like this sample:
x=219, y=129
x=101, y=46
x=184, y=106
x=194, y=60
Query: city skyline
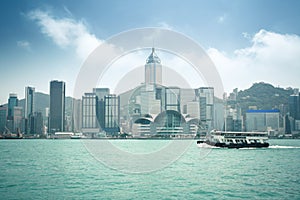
x=39, y=36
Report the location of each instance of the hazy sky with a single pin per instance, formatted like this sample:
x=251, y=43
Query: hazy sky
x=249, y=41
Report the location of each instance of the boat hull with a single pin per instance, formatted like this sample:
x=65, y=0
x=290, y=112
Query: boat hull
x=236, y=145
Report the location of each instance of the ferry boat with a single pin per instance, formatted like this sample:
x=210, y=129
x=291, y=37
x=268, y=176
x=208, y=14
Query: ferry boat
x=227, y=139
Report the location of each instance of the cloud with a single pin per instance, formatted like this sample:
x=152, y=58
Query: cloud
x=271, y=57
x=24, y=44
x=66, y=32
x=165, y=25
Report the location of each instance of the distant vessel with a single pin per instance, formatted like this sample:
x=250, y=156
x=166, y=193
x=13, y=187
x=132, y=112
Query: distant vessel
x=12, y=136
x=237, y=140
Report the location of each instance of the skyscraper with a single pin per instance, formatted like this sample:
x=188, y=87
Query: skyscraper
x=29, y=109
x=18, y=125
x=294, y=108
x=57, y=106
x=261, y=120
x=153, y=69
x=3, y=115
x=89, y=113
x=12, y=102
x=112, y=114
x=206, y=101
x=77, y=115
x=29, y=101
x=101, y=93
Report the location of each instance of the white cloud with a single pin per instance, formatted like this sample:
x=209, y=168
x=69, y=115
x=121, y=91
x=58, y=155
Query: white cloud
x=24, y=44
x=272, y=57
x=66, y=32
x=165, y=25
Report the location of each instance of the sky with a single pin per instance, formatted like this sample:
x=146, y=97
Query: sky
x=248, y=41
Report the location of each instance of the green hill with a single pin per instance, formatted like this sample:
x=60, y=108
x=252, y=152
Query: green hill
x=264, y=96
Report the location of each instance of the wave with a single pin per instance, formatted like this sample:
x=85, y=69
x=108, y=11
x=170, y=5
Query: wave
x=283, y=147
x=204, y=145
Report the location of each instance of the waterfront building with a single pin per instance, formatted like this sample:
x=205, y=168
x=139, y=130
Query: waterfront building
x=90, y=123
x=153, y=69
x=38, y=123
x=29, y=109
x=205, y=96
x=192, y=109
x=3, y=117
x=172, y=98
x=262, y=120
x=150, y=99
x=112, y=114
x=152, y=109
x=29, y=101
x=57, y=106
x=77, y=115
x=18, y=120
x=101, y=93
x=12, y=102
x=294, y=108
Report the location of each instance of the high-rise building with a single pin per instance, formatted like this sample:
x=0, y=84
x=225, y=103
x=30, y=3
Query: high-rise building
x=294, y=108
x=90, y=123
x=12, y=102
x=153, y=69
x=206, y=101
x=57, y=106
x=101, y=93
x=29, y=109
x=172, y=99
x=112, y=114
x=29, y=101
x=3, y=117
x=18, y=126
x=262, y=120
x=77, y=115
x=38, y=123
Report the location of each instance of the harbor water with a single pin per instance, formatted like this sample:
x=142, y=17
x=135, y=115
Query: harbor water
x=66, y=169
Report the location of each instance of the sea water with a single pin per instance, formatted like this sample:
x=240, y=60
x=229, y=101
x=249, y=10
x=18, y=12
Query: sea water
x=65, y=169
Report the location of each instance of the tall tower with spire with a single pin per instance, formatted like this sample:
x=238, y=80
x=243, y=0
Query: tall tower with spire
x=153, y=69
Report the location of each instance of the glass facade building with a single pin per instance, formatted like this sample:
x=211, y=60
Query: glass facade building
x=3, y=117
x=112, y=114
x=262, y=120
x=89, y=113
x=57, y=106
x=29, y=109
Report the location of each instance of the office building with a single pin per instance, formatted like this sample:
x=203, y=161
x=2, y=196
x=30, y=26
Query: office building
x=112, y=114
x=29, y=109
x=294, y=108
x=262, y=120
x=38, y=123
x=90, y=123
x=77, y=115
x=153, y=69
x=57, y=106
x=18, y=120
x=101, y=93
x=3, y=117
x=29, y=101
x=12, y=102
x=172, y=99
x=205, y=96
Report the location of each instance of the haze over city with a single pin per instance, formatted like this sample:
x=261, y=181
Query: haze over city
x=249, y=41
